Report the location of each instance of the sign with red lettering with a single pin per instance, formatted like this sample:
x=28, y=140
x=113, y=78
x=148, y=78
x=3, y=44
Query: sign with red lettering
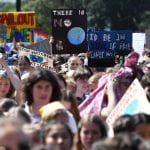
x=18, y=19
x=19, y=25
x=69, y=27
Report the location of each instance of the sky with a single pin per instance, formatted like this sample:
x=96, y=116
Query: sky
x=13, y=1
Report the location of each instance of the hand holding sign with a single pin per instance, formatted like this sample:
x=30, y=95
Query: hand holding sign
x=134, y=101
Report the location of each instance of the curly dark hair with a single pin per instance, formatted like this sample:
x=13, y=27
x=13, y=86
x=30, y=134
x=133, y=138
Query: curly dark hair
x=36, y=75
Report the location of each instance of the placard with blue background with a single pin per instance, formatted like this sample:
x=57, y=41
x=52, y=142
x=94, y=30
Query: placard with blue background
x=104, y=45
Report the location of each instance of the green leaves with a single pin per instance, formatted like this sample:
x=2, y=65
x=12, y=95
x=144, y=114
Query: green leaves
x=114, y=14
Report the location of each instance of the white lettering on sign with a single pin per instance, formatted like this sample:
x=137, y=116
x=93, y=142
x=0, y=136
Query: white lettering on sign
x=121, y=37
x=93, y=37
x=112, y=46
x=107, y=37
x=81, y=12
x=58, y=22
x=124, y=46
x=62, y=23
x=63, y=12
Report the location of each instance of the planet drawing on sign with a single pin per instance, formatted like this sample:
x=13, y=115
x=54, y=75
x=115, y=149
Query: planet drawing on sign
x=35, y=58
x=76, y=35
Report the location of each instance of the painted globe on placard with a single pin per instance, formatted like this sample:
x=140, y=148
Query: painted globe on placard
x=76, y=35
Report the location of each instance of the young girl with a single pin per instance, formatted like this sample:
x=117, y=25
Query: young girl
x=9, y=81
x=58, y=134
x=91, y=128
x=40, y=88
x=81, y=76
x=6, y=87
x=57, y=111
x=69, y=101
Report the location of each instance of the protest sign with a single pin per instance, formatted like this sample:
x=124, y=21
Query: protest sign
x=37, y=58
x=104, y=45
x=19, y=25
x=42, y=46
x=133, y=101
x=39, y=35
x=138, y=43
x=69, y=28
x=3, y=31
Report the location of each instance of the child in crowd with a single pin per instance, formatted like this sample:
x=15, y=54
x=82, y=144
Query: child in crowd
x=81, y=76
x=58, y=134
x=90, y=129
x=57, y=111
x=39, y=89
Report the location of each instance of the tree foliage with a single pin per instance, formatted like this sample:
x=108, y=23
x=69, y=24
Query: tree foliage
x=114, y=14
x=126, y=14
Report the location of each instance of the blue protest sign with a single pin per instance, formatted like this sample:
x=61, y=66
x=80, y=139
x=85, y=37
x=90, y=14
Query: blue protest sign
x=104, y=45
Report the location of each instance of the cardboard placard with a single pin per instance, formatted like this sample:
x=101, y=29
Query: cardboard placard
x=19, y=25
x=69, y=29
x=37, y=58
x=104, y=45
x=133, y=101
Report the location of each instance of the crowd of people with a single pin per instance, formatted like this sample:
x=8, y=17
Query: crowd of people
x=39, y=108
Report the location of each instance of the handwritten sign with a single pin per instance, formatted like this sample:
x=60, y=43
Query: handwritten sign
x=69, y=28
x=19, y=19
x=133, y=101
x=138, y=43
x=19, y=25
x=37, y=58
x=104, y=45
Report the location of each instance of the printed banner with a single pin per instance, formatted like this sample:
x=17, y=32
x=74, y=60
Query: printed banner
x=133, y=101
x=69, y=29
x=104, y=45
x=37, y=58
x=19, y=25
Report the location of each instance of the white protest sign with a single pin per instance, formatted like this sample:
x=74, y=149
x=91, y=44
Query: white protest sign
x=133, y=101
x=138, y=42
x=37, y=58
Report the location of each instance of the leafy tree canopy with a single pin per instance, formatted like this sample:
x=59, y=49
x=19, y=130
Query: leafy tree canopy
x=114, y=14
